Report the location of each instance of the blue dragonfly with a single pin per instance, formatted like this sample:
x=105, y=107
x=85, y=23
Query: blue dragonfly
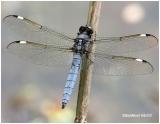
x=45, y=46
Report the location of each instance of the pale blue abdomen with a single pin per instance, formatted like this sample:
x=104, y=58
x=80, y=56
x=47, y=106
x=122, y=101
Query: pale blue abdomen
x=71, y=79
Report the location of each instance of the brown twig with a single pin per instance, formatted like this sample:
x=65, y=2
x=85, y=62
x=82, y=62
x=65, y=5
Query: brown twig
x=87, y=66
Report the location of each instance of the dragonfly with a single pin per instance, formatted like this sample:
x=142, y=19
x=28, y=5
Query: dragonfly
x=45, y=46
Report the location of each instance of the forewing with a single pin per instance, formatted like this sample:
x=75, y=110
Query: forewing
x=120, y=65
x=33, y=31
x=40, y=54
x=131, y=43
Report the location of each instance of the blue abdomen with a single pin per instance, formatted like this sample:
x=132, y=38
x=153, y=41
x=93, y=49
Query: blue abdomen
x=71, y=79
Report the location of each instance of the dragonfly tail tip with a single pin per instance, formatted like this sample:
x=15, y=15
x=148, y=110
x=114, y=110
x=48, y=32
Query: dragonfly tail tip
x=63, y=105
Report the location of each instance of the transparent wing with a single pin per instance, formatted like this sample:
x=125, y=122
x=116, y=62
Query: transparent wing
x=131, y=43
x=33, y=31
x=120, y=65
x=40, y=54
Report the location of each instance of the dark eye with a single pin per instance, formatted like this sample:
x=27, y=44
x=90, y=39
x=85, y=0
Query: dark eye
x=90, y=31
x=82, y=29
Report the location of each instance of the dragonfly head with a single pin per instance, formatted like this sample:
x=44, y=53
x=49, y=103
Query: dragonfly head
x=86, y=29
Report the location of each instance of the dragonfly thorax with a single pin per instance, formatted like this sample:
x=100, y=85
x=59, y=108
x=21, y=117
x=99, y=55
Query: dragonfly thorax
x=83, y=39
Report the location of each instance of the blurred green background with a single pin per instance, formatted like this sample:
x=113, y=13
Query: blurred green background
x=32, y=93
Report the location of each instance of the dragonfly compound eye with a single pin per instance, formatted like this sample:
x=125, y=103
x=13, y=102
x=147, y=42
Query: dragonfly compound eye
x=89, y=30
x=82, y=29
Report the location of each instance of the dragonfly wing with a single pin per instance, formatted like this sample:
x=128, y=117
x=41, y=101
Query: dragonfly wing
x=120, y=65
x=131, y=43
x=33, y=31
x=40, y=54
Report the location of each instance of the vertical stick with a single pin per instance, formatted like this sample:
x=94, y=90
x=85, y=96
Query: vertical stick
x=87, y=66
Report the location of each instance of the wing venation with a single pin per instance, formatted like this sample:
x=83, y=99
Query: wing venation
x=41, y=54
x=130, y=43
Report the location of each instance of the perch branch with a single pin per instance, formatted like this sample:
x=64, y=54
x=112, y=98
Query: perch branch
x=87, y=66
